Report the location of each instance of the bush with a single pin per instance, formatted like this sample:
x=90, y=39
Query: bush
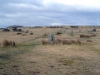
x=88, y=40
x=31, y=33
x=93, y=35
x=13, y=43
x=58, y=33
x=6, y=43
x=87, y=36
x=45, y=42
x=78, y=41
x=58, y=41
x=82, y=35
x=73, y=41
x=68, y=42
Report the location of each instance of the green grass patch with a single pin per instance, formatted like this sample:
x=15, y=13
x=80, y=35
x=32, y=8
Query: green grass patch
x=9, y=53
x=71, y=60
x=5, y=56
x=29, y=44
x=66, y=61
x=94, y=50
x=86, y=44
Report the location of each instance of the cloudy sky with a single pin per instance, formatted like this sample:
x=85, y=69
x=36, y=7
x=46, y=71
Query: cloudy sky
x=49, y=12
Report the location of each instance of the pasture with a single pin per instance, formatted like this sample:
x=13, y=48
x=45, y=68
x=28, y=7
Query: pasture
x=30, y=57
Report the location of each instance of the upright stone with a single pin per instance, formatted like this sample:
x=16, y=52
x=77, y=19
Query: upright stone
x=51, y=38
x=72, y=31
x=79, y=30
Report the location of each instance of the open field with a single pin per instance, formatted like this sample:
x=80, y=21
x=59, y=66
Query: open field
x=30, y=57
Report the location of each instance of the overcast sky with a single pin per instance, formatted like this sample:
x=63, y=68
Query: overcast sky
x=49, y=12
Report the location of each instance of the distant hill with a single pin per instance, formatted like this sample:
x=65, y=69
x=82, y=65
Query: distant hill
x=15, y=26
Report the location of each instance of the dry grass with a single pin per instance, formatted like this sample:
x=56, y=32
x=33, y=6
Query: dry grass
x=30, y=57
x=84, y=36
x=88, y=40
x=45, y=42
x=93, y=35
x=6, y=43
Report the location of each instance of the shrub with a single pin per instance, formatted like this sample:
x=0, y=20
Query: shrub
x=19, y=33
x=82, y=35
x=10, y=43
x=93, y=35
x=59, y=40
x=78, y=41
x=73, y=41
x=6, y=43
x=45, y=42
x=88, y=40
x=58, y=33
x=86, y=36
x=66, y=42
x=44, y=34
x=56, y=41
x=13, y=43
x=31, y=33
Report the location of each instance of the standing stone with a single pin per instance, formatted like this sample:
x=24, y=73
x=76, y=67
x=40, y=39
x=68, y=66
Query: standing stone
x=72, y=32
x=64, y=30
x=79, y=30
x=51, y=39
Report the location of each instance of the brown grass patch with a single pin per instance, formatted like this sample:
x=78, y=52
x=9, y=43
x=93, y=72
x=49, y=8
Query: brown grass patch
x=45, y=42
x=73, y=41
x=58, y=41
x=68, y=42
x=6, y=43
x=93, y=35
x=84, y=36
x=88, y=40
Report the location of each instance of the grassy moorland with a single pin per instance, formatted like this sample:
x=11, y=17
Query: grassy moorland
x=30, y=57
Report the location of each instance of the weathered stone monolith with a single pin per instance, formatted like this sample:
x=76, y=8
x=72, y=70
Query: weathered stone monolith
x=51, y=38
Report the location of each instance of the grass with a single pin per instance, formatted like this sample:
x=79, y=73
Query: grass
x=66, y=61
x=91, y=47
x=29, y=44
x=95, y=50
x=75, y=59
x=71, y=60
x=8, y=53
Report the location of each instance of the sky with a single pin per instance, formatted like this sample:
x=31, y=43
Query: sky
x=49, y=12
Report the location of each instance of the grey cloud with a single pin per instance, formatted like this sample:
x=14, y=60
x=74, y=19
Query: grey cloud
x=30, y=12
